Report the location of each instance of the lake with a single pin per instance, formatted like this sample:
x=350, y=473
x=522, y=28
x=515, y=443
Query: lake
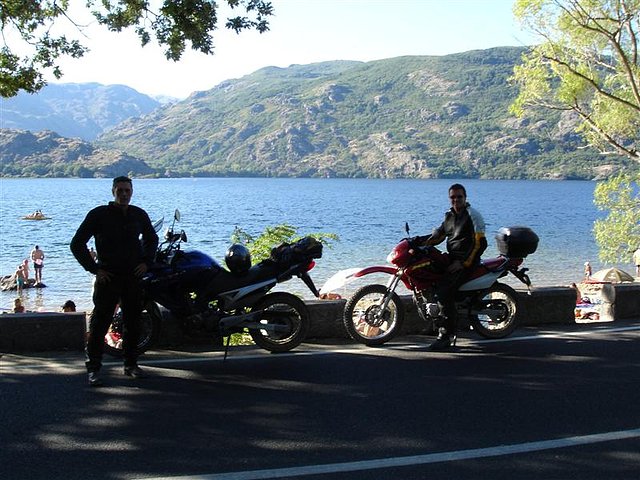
x=368, y=215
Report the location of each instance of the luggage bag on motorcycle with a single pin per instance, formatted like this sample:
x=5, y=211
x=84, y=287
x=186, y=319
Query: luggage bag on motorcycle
x=516, y=242
x=305, y=248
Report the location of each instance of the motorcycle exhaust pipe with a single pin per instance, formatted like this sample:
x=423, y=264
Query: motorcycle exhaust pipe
x=251, y=321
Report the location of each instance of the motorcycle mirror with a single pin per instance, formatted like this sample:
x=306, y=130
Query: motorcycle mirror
x=406, y=227
x=176, y=215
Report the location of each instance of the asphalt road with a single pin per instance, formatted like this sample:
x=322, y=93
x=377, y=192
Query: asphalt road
x=544, y=404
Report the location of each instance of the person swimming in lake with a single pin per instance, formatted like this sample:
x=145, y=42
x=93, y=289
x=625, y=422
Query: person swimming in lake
x=17, y=306
x=68, y=306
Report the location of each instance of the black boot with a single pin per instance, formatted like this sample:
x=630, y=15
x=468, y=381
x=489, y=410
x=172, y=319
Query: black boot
x=94, y=379
x=135, y=371
x=443, y=342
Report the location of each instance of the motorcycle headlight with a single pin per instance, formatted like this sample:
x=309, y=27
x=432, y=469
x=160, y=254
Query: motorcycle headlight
x=391, y=256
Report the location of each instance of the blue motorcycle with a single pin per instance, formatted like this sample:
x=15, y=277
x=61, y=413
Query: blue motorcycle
x=210, y=301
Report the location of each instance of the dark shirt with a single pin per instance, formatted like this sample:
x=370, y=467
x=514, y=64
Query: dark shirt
x=118, y=236
x=465, y=235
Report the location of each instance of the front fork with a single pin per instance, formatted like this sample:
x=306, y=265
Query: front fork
x=392, y=284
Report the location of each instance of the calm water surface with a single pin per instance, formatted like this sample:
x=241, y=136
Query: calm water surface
x=368, y=215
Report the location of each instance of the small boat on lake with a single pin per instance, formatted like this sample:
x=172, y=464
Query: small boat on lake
x=37, y=215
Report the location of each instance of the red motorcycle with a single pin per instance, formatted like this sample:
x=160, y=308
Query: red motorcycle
x=375, y=313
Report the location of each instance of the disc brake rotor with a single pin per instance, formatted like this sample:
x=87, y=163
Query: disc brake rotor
x=374, y=316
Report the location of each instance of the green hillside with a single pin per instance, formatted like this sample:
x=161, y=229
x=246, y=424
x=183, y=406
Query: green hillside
x=412, y=116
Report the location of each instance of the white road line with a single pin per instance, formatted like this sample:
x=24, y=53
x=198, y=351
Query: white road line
x=416, y=459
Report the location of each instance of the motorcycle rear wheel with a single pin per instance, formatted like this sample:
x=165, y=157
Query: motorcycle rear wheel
x=150, y=321
x=364, y=320
x=496, y=311
x=286, y=312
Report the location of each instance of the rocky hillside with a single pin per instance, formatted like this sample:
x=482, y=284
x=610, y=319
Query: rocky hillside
x=47, y=154
x=75, y=110
x=414, y=116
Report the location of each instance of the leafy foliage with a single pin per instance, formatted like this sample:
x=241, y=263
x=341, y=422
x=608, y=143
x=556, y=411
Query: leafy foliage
x=618, y=235
x=588, y=65
x=260, y=246
x=28, y=25
x=32, y=20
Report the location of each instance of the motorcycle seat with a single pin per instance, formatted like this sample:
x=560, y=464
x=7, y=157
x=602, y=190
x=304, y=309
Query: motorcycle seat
x=493, y=264
x=257, y=273
x=262, y=271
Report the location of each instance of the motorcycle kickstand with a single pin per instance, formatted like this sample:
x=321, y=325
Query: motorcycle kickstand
x=226, y=349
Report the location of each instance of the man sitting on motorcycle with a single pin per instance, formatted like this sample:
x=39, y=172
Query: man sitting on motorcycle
x=464, y=229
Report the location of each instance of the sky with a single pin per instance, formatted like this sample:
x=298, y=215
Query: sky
x=301, y=32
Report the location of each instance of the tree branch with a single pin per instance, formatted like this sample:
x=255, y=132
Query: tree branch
x=621, y=149
x=591, y=82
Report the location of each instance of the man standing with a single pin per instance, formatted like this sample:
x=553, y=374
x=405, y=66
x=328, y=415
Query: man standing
x=122, y=259
x=636, y=261
x=37, y=256
x=463, y=227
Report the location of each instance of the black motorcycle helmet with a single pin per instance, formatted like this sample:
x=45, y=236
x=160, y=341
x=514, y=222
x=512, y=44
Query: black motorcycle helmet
x=238, y=258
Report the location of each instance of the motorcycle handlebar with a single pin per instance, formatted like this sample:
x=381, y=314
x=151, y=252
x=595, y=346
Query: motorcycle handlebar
x=418, y=241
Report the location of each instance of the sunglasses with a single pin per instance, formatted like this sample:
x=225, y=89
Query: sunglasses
x=453, y=197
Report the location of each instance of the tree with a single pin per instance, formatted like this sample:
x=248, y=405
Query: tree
x=588, y=64
x=260, y=246
x=618, y=235
x=30, y=47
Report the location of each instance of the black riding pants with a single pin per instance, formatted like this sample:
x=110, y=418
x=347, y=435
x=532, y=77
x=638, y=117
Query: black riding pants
x=446, y=294
x=124, y=290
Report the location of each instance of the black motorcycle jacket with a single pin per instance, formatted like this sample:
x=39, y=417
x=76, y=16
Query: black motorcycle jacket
x=465, y=235
x=117, y=236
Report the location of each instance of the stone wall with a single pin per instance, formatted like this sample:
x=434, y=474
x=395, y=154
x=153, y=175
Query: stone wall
x=35, y=332
x=31, y=332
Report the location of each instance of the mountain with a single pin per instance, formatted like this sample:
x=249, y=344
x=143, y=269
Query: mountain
x=413, y=116
x=75, y=110
x=47, y=154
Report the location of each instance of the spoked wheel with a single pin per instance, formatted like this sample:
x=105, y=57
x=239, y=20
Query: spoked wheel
x=286, y=322
x=149, y=330
x=494, y=314
x=368, y=320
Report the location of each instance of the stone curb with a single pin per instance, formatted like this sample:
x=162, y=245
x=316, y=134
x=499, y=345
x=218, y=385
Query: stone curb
x=35, y=332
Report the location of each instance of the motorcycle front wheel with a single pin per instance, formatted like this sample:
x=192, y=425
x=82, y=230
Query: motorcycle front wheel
x=365, y=319
x=493, y=314
x=150, y=320
x=286, y=322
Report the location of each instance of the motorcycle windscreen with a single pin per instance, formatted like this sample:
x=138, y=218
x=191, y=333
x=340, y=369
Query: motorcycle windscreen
x=339, y=280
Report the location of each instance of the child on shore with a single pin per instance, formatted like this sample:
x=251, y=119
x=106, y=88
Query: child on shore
x=20, y=278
